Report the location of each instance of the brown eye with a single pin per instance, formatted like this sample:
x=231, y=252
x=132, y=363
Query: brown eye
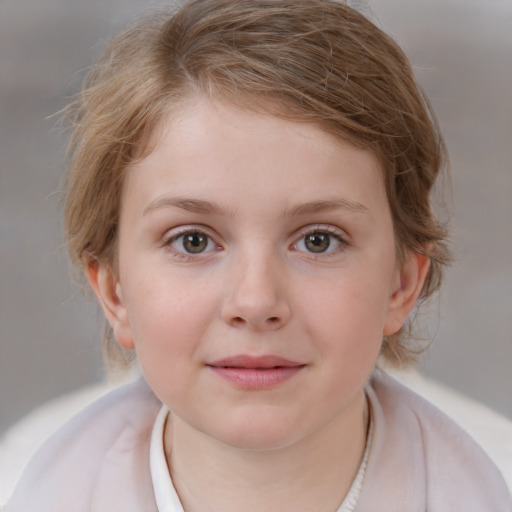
x=320, y=241
x=192, y=242
x=195, y=242
x=317, y=242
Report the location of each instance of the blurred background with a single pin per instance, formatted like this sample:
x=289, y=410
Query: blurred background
x=50, y=331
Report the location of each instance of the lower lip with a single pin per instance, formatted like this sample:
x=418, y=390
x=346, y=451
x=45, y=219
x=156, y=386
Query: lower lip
x=257, y=378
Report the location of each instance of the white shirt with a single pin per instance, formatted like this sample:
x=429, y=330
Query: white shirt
x=419, y=459
x=167, y=498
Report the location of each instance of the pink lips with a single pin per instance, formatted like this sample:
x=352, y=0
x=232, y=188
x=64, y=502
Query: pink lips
x=250, y=372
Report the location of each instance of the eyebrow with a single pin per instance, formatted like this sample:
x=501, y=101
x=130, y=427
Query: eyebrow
x=188, y=204
x=205, y=207
x=326, y=205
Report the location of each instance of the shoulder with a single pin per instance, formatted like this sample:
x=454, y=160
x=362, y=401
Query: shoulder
x=106, y=441
x=427, y=456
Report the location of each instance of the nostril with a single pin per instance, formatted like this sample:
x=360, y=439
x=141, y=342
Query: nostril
x=238, y=321
x=256, y=322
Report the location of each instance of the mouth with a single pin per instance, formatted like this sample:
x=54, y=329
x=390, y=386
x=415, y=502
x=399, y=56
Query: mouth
x=262, y=372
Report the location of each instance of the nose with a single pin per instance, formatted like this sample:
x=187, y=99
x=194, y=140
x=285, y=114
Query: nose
x=256, y=297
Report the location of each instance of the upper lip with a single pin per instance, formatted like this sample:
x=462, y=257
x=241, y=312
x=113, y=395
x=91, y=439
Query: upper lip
x=246, y=361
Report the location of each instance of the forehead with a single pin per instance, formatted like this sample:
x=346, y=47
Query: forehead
x=209, y=148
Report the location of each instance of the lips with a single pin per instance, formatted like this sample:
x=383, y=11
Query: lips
x=262, y=372
x=260, y=362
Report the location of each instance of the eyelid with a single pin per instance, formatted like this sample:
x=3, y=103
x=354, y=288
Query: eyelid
x=340, y=235
x=173, y=234
x=323, y=228
x=188, y=228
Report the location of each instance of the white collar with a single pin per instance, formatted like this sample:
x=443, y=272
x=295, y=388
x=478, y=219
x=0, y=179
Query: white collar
x=167, y=498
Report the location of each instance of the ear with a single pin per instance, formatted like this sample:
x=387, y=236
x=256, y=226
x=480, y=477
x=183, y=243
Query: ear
x=406, y=290
x=107, y=288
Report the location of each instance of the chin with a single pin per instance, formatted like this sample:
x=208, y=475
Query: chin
x=258, y=443
x=260, y=435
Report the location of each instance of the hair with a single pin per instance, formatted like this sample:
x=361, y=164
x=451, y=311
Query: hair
x=316, y=61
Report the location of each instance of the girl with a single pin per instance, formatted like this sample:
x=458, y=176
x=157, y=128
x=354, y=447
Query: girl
x=248, y=195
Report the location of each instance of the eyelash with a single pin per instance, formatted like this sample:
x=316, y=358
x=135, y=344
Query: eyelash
x=331, y=232
x=172, y=238
x=323, y=230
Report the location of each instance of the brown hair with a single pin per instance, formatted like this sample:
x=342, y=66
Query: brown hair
x=315, y=61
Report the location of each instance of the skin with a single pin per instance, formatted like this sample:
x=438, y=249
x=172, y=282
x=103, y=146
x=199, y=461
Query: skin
x=255, y=187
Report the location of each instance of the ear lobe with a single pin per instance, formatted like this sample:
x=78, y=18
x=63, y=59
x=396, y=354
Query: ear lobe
x=407, y=289
x=107, y=288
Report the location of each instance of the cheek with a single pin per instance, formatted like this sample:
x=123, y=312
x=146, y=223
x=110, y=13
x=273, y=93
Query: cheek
x=357, y=299
x=168, y=320
x=349, y=321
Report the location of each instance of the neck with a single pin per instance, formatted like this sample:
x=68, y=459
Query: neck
x=314, y=473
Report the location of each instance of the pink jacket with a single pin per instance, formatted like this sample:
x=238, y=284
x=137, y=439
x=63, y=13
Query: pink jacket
x=419, y=460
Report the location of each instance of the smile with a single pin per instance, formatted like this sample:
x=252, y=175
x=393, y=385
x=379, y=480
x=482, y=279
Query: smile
x=255, y=373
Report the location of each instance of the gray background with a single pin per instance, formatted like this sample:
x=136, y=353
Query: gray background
x=50, y=334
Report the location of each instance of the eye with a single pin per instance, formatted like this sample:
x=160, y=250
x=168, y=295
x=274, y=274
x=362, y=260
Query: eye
x=192, y=242
x=319, y=241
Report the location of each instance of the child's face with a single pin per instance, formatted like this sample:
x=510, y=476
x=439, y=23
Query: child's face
x=245, y=236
